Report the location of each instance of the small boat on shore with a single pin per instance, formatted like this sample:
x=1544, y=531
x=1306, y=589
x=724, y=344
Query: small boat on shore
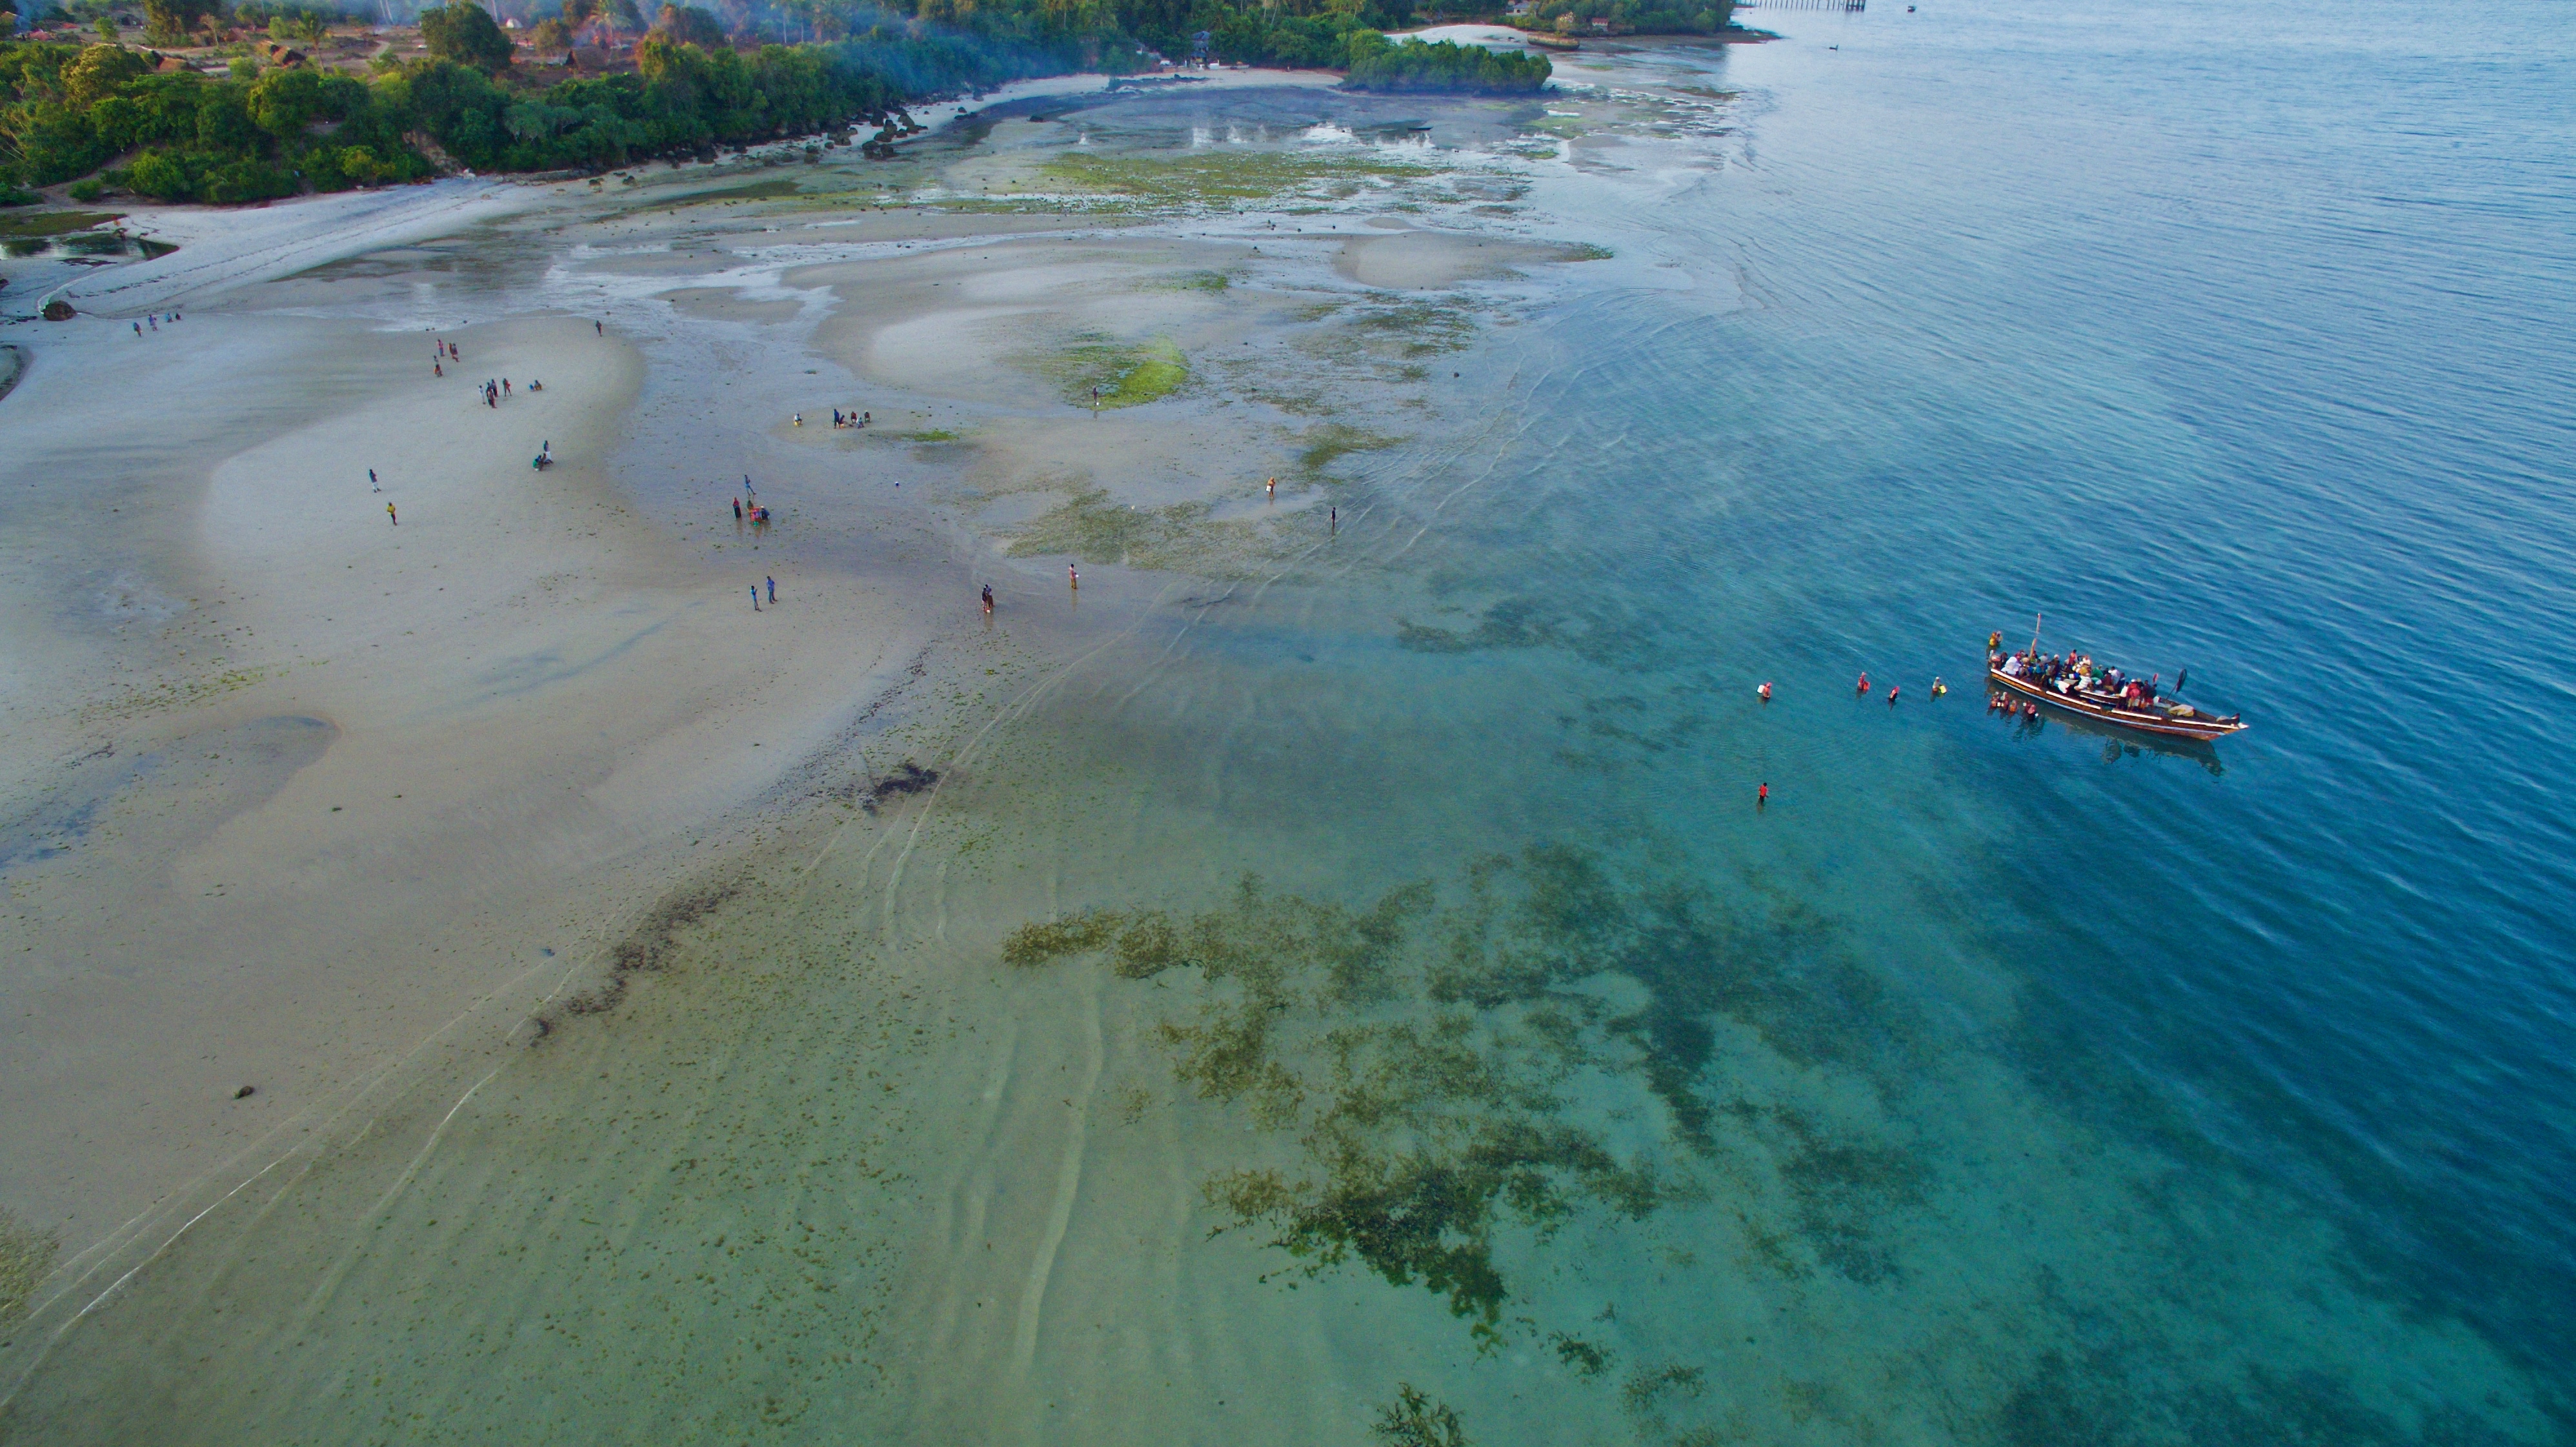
x=2107, y=696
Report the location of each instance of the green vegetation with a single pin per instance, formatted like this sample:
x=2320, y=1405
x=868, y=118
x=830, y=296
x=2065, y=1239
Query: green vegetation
x=1096, y=529
x=1125, y=374
x=67, y=111
x=1298, y=35
x=284, y=22
x=173, y=22
x=71, y=111
x=1189, y=281
x=690, y=25
x=55, y=223
x=1230, y=174
x=1377, y=63
x=1641, y=17
x=465, y=34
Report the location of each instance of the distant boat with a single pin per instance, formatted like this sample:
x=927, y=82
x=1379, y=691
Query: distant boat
x=1551, y=42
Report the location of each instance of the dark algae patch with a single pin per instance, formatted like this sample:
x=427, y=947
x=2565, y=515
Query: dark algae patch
x=906, y=778
x=1183, y=537
x=1511, y=623
x=1416, y=1420
x=1327, y=444
x=1585, y=1358
x=1436, y=1057
x=1566, y=1081
x=651, y=945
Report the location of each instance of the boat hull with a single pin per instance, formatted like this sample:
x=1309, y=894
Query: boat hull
x=2138, y=719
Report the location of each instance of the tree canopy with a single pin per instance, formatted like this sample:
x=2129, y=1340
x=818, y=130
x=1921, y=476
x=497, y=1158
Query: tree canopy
x=465, y=33
x=1655, y=17
x=67, y=111
x=1380, y=64
x=171, y=20
x=690, y=25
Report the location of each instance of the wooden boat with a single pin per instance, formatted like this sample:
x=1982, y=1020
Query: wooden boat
x=2165, y=716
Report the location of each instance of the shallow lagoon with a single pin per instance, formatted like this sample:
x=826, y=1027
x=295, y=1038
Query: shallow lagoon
x=1359, y=987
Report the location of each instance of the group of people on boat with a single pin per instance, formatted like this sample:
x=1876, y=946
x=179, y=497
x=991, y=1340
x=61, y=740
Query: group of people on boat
x=2076, y=673
x=2074, y=680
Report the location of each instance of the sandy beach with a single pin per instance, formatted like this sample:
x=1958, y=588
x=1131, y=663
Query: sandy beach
x=308, y=800
x=335, y=779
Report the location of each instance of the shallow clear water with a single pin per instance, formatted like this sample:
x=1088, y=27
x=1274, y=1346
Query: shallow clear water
x=1998, y=1083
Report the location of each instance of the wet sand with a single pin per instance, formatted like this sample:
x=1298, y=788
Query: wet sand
x=311, y=802
x=309, y=784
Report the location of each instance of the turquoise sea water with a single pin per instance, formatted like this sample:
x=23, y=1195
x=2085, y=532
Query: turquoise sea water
x=1994, y=1083
x=2237, y=338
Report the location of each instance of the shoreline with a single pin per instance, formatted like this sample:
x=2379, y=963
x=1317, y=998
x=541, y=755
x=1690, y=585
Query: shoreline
x=569, y=634
x=222, y=248
x=955, y=1025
